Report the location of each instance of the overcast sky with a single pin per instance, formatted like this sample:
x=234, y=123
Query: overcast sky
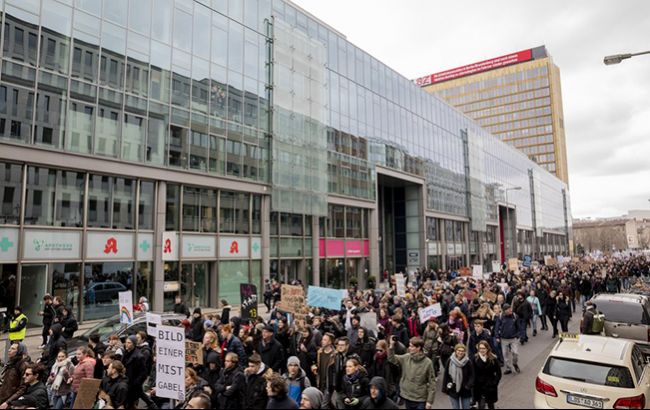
x=606, y=108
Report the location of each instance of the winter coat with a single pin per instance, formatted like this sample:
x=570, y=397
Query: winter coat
x=84, y=370
x=418, y=381
x=551, y=308
x=356, y=387
x=487, y=376
x=12, y=377
x=563, y=310
x=507, y=327
x=35, y=396
x=54, y=346
x=365, y=349
x=474, y=339
x=147, y=355
x=225, y=315
x=233, y=397
x=66, y=371
x=135, y=372
x=256, y=397
x=281, y=402
x=197, y=331
x=382, y=401
x=117, y=389
x=272, y=355
x=388, y=371
x=296, y=385
x=235, y=345
x=70, y=326
x=401, y=334
x=523, y=310
x=468, y=381
x=48, y=315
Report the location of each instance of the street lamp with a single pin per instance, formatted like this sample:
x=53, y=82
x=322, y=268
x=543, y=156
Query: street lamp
x=517, y=188
x=617, y=58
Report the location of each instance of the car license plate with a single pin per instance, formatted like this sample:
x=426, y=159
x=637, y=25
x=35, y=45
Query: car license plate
x=585, y=402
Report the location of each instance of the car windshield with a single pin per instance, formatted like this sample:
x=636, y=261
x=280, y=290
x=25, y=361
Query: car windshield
x=105, y=328
x=621, y=312
x=587, y=372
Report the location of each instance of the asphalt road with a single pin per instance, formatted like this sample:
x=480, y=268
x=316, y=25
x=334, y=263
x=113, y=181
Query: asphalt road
x=517, y=390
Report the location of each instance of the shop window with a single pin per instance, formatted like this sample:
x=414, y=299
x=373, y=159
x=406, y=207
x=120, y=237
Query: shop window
x=10, y=193
x=172, y=206
x=231, y=275
x=103, y=283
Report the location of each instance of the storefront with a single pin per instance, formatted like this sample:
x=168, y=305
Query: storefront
x=343, y=261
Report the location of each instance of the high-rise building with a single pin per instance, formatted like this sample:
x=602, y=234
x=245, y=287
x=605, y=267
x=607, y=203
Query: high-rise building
x=181, y=148
x=516, y=97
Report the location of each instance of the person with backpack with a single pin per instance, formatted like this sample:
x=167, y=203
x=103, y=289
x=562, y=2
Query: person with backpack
x=592, y=323
x=507, y=332
x=296, y=378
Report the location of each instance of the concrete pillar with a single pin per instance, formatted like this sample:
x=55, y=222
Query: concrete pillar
x=373, y=236
x=315, y=250
x=266, y=237
x=159, y=265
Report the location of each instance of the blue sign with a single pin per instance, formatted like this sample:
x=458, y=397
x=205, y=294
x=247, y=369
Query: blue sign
x=528, y=261
x=325, y=297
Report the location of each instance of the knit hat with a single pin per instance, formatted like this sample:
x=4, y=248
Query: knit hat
x=293, y=360
x=314, y=396
x=208, y=324
x=460, y=346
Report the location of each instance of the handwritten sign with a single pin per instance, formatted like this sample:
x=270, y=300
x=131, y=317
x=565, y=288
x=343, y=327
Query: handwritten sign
x=87, y=393
x=324, y=297
x=193, y=352
x=428, y=312
x=369, y=321
x=292, y=299
x=513, y=264
x=477, y=272
x=126, y=307
x=465, y=271
x=170, y=362
x=400, y=282
x=496, y=267
x=248, y=294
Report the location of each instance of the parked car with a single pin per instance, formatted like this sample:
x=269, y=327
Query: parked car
x=103, y=292
x=627, y=316
x=594, y=372
x=112, y=326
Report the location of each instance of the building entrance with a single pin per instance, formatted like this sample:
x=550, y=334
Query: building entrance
x=33, y=285
x=194, y=284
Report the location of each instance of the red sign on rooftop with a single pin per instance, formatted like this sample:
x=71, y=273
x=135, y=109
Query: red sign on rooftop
x=475, y=68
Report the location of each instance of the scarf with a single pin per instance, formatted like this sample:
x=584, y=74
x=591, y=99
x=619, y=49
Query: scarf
x=380, y=358
x=456, y=370
x=57, y=370
x=352, y=379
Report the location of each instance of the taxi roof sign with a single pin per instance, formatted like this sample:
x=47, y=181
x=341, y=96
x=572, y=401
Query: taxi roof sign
x=569, y=337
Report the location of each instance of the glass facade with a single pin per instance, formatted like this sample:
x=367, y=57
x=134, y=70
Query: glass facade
x=258, y=120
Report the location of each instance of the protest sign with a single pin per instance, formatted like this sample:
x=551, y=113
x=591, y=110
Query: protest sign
x=429, y=312
x=292, y=299
x=400, y=282
x=324, y=297
x=369, y=321
x=153, y=321
x=193, y=352
x=126, y=307
x=490, y=296
x=170, y=362
x=465, y=271
x=513, y=264
x=87, y=393
x=528, y=260
x=477, y=272
x=496, y=267
x=248, y=295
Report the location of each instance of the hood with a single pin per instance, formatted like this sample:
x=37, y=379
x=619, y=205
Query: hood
x=262, y=369
x=315, y=397
x=381, y=385
x=56, y=330
x=418, y=357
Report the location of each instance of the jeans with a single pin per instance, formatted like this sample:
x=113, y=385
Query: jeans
x=482, y=403
x=523, y=328
x=535, y=318
x=510, y=352
x=461, y=402
x=73, y=397
x=59, y=402
x=415, y=405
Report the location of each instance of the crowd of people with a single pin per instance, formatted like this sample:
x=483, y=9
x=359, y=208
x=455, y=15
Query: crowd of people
x=326, y=358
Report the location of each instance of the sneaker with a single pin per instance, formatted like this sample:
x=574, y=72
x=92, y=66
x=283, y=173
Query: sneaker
x=41, y=347
x=508, y=372
x=517, y=369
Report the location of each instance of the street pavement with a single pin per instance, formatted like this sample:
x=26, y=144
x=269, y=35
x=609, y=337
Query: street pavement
x=518, y=390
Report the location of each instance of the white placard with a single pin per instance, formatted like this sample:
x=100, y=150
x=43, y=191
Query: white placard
x=145, y=246
x=109, y=245
x=199, y=246
x=429, y=312
x=9, y=245
x=126, y=307
x=232, y=247
x=496, y=267
x=256, y=248
x=155, y=320
x=369, y=321
x=51, y=245
x=400, y=281
x=477, y=271
x=170, y=246
x=170, y=362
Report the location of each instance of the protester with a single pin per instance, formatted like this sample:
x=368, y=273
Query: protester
x=59, y=382
x=134, y=363
x=563, y=309
x=180, y=307
x=487, y=372
x=277, y=390
x=255, y=397
x=225, y=312
x=84, y=369
x=458, y=380
x=312, y=398
x=194, y=387
x=12, y=373
x=48, y=314
x=378, y=398
x=115, y=385
x=69, y=323
x=55, y=344
x=35, y=393
x=418, y=380
x=507, y=332
x=231, y=386
x=231, y=343
x=355, y=384
x=199, y=401
x=115, y=346
x=296, y=379
x=271, y=350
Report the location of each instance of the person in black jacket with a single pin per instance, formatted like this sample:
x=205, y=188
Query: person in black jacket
x=487, y=375
x=180, y=307
x=99, y=349
x=364, y=347
x=48, y=314
x=378, y=398
x=135, y=371
x=35, y=395
x=276, y=388
x=54, y=345
x=231, y=386
x=551, y=311
x=563, y=308
x=271, y=351
x=69, y=323
x=197, y=330
x=114, y=385
x=256, y=396
x=355, y=384
x=225, y=313
x=399, y=331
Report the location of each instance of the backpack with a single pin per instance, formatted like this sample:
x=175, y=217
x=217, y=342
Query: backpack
x=598, y=324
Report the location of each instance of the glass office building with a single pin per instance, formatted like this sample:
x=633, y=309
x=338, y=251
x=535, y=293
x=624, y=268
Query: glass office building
x=179, y=147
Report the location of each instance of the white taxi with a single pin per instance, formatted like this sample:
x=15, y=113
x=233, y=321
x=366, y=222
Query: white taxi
x=595, y=372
